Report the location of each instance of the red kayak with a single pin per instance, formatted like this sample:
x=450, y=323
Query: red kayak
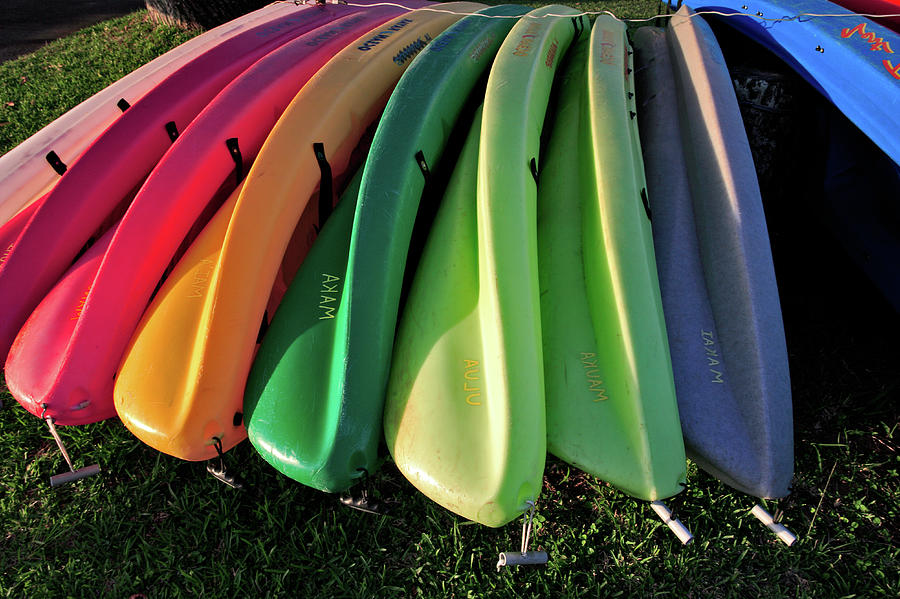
x=60, y=366
x=95, y=186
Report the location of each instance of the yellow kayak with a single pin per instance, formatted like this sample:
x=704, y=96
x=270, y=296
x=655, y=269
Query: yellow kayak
x=180, y=385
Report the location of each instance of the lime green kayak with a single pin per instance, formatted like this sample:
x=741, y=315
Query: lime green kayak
x=464, y=417
x=611, y=407
x=334, y=330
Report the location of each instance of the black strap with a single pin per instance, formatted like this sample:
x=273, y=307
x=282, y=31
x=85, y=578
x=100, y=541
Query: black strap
x=58, y=165
x=235, y=151
x=423, y=166
x=263, y=327
x=578, y=25
x=646, y=204
x=123, y=104
x=172, y=131
x=326, y=184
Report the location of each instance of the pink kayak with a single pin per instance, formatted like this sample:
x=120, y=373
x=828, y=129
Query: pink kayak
x=119, y=160
x=27, y=172
x=10, y=230
x=62, y=306
x=55, y=363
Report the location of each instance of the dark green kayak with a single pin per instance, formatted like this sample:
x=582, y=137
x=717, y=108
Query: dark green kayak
x=315, y=395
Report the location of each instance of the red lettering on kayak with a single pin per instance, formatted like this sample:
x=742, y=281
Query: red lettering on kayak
x=608, y=47
x=527, y=40
x=551, y=54
x=877, y=43
x=893, y=70
x=480, y=49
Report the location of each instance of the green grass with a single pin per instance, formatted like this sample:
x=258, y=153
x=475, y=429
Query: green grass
x=155, y=526
x=37, y=88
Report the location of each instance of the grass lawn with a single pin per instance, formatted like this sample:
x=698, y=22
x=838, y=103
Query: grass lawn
x=155, y=526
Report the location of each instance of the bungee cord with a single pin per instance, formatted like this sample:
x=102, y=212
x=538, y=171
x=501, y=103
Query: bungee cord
x=594, y=13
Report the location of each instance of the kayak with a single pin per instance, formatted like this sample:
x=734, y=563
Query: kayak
x=97, y=187
x=861, y=208
x=200, y=166
x=849, y=59
x=62, y=307
x=335, y=327
x=465, y=414
x=203, y=361
x=611, y=405
x=717, y=278
x=871, y=8
x=29, y=171
x=11, y=229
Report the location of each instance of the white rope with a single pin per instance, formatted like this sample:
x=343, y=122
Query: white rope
x=796, y=17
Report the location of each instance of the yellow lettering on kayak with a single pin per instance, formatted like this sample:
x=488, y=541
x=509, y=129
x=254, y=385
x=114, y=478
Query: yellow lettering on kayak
x=6, y=253
x=472, y=373
x=592, y=372
x=328, y=294
x=80, y=307
x=201, y=278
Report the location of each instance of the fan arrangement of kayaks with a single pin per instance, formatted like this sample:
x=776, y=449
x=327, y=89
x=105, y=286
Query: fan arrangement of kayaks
x=30, y=169
x=477, y=234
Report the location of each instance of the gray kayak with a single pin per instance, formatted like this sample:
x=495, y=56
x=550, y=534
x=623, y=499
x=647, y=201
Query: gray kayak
x=717, y=279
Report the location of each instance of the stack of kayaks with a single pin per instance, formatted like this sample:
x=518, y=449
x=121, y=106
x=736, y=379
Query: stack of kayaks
x=586, y=288
x=715, y=266
x=862, y=202
x=853, y=66
x=65, y=357
x=465, y=413
x=849, y=59
x=199, y=335
x=335, y=326
x=99, y=184
x=611, y=407
x=30, y=169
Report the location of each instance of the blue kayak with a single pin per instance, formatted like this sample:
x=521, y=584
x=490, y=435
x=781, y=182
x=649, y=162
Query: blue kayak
x=849, y=59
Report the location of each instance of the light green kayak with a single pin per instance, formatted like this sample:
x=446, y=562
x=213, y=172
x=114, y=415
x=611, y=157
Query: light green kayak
x=315, y=397
x=464, y=418
x=611, y=407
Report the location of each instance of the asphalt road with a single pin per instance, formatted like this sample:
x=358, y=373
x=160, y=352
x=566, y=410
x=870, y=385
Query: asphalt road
x=26, y=25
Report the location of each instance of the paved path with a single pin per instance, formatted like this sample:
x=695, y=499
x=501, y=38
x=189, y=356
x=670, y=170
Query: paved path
x=26, y=25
